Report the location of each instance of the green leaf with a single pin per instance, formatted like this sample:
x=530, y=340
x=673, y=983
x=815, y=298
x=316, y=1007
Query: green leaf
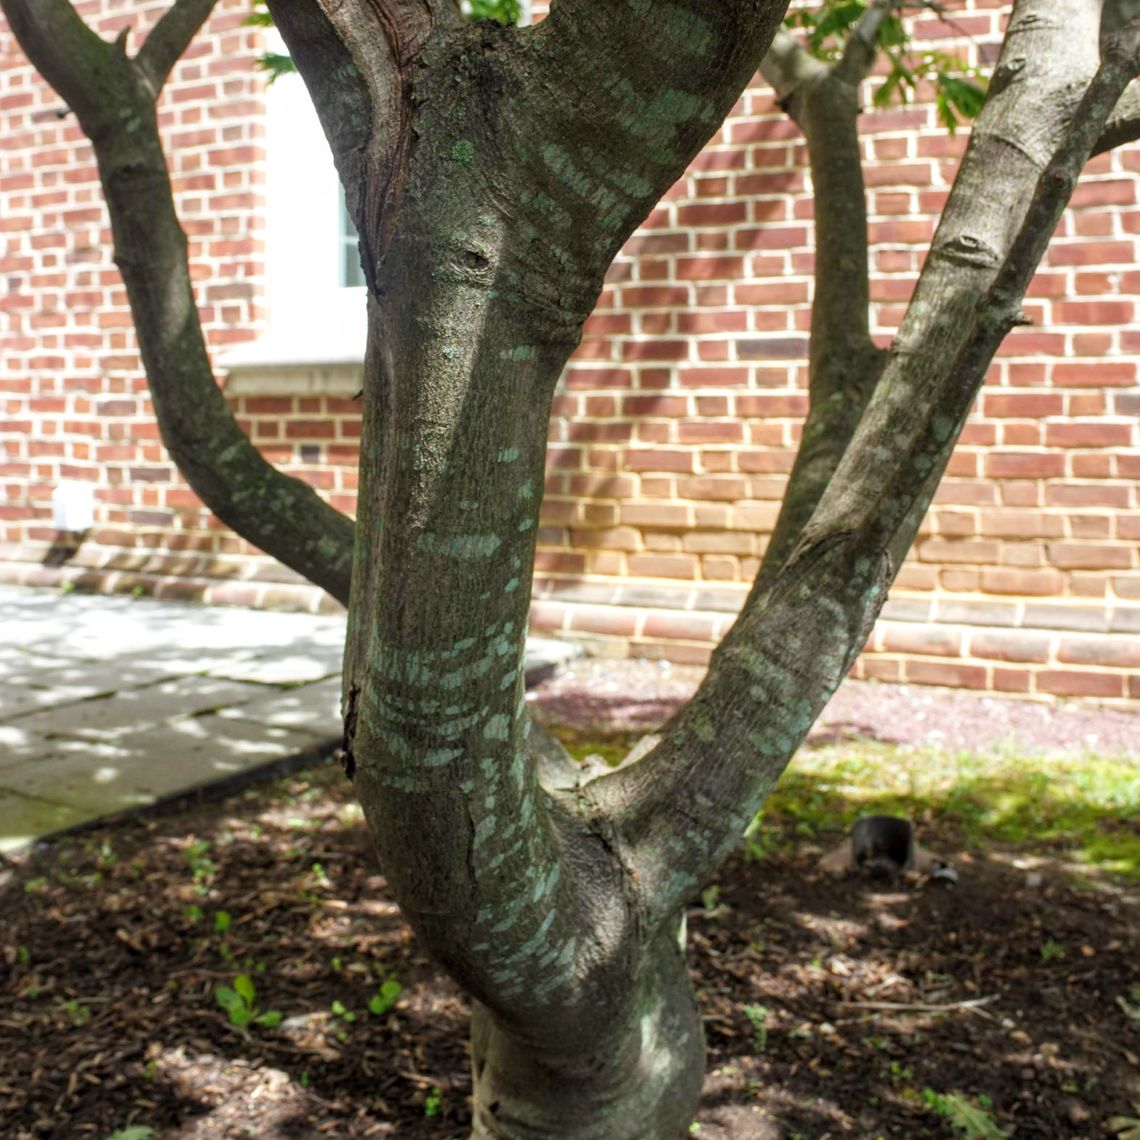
x=271, y=1018
x=242, y=1016
x=505, y=11
x=836, y=22
x=385, y=997
x=222, y=921
x=276, y=65
x=228, y=999
x=134, y=1132
x=244, y=986
x=964, y=1115
x=956, y=98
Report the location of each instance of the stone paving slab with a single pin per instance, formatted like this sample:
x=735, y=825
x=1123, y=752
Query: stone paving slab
x=314, y=707
x=129, y=709
x=109, y=703
x=104, y=776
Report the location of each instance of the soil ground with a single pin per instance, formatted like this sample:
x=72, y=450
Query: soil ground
x=834, y=1006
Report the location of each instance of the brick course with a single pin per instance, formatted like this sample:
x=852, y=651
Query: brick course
x=675, y=423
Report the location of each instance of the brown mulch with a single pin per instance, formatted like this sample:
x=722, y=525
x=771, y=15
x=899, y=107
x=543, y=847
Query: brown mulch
x=830, y=1004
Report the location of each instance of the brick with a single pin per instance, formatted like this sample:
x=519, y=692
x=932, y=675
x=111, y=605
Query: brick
x=546, y=615
x=951, y=550
x=1115, y=651
x=718, y=542
x=655, y=515
x=612, y=538
x=1088, y=435
x=1011, y=645
x=663, y=565
x=1078, y=683
x=947, y=673
x=680, y=627
x=1006, y=680
x=926, y=640
x=657, y=459
x=997, y=580
x=1099, y=556
x=609, y=620
x=1025, y=465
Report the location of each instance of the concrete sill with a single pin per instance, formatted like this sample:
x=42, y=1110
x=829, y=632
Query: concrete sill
x=267, y=369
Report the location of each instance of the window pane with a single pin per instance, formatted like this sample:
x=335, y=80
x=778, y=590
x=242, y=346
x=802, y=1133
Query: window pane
x=351, y=275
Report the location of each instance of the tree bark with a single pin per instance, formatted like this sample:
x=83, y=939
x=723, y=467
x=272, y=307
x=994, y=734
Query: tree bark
x=536, y=153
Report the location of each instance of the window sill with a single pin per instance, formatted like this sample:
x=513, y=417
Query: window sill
x=264, y=368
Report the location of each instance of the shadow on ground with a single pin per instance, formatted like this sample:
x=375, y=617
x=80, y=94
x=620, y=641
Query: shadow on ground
x=833, y=1007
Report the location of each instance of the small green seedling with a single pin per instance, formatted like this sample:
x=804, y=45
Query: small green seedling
x=385, y=997
x=971, y=1119
x=433, y=1102
x=758, y=1018
x=134, y=1132
x=79, y=1013
x=339, y=1009
x=240, y=1004
x=202, y=867
x=1052, y=951
x=221, y=922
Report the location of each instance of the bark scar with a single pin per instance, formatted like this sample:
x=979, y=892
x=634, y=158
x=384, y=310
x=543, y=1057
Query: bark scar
x=347, y=760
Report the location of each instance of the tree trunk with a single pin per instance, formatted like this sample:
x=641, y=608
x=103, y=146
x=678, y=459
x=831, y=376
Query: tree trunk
x=640, y=1079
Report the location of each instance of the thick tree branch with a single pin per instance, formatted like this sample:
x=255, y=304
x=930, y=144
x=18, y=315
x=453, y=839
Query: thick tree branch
x=1123, y=124
x=170, y=37
x=681, y=807
x=843, y=360
x=114, y=99
x=64, y=50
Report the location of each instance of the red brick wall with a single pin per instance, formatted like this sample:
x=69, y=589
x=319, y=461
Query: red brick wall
x=677, y=419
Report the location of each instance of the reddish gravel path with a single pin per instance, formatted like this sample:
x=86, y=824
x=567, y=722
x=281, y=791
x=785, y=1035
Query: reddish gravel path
x=615, y=695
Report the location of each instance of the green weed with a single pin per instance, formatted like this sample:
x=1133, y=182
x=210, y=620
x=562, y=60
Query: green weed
x=969, y=1117
x=240, y=1004
x=385, y=997
x=758, y=1018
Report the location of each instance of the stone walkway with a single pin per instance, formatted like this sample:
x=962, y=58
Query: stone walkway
x=112, y=703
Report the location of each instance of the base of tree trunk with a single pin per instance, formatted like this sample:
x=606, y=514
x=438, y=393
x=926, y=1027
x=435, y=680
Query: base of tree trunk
x=640, y=1079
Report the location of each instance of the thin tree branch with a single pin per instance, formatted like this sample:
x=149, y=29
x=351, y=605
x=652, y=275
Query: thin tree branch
x=862, y=46
x=844, y=362
x=114, y=101
x=170, y=37
x=1123, y=124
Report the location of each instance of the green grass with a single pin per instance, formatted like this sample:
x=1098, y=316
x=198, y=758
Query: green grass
x=1085, y=807
x=1080, y=807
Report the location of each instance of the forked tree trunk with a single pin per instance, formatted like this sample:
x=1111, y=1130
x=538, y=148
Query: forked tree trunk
x=493, y=176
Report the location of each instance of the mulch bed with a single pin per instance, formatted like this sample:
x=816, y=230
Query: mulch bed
x=831, y=1004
